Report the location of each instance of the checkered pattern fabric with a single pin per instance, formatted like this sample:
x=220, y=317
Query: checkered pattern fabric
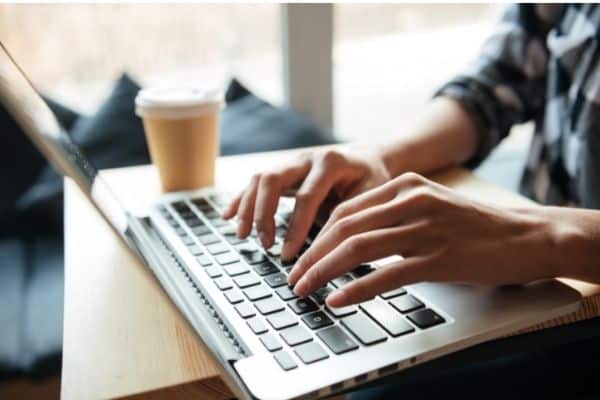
x=542, y=65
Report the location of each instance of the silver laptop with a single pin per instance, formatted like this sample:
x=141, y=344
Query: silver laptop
x=269, y=343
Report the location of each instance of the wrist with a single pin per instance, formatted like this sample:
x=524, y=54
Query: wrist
x=397, y=159
x=573, y=243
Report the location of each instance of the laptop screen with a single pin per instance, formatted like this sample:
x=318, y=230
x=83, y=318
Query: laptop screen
x=36, y=119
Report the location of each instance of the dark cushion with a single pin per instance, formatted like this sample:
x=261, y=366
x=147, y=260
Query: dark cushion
x=113, y=137
x=250, y=124
x=17, y=151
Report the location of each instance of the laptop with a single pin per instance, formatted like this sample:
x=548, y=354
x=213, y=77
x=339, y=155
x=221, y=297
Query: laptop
x=268, y=343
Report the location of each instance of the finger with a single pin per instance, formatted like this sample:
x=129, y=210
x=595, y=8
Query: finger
x=270, y=188
x=309, y=197
x=411, y=207
x=366, y=247
x=232, y=208
x=246, y=207
x=390, y=277
x=364, y=200
x=371, y=219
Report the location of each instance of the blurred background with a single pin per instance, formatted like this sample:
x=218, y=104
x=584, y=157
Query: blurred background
x=387, y=59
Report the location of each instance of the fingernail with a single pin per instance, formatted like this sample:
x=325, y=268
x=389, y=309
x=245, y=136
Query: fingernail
x=337, y=298
x=301, y=288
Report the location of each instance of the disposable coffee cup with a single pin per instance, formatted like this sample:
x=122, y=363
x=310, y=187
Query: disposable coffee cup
x=182, y=131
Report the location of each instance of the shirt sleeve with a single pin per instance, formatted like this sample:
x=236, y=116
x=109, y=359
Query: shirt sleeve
x=506, y=84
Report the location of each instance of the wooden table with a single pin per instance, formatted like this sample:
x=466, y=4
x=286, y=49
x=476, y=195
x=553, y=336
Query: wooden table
x=122, y=335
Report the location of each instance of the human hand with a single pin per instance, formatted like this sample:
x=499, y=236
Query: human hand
x=442, y=236
x=314, y=176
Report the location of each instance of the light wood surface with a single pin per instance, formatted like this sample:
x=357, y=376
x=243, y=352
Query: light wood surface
x=122, y=335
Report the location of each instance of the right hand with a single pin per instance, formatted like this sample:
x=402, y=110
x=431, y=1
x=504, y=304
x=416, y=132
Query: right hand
x=313, y=177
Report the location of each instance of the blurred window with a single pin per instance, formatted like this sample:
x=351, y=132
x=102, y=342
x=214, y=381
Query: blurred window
x=75, y=51
x=390, y=58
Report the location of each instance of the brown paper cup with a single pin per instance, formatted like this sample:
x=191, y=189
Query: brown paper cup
x=182, y=131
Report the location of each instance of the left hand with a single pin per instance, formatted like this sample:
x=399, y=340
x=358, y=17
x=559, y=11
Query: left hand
x=442, y=236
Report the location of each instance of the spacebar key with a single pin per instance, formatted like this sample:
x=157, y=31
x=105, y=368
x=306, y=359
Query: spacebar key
x=364, y=330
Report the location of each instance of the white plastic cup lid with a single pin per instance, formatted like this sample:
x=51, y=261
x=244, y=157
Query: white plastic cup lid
x=177, y=102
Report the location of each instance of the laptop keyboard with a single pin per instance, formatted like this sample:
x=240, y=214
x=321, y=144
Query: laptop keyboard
x=254, y=282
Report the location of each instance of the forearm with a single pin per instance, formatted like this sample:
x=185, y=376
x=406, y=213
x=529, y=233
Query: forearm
x=445, y=136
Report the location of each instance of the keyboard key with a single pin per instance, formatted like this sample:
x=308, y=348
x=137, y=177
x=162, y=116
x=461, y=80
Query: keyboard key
x=255, y=257
x=393, y=293
x=362, y=270
x=285, y=361
x=364, y=330
x=195, y=250
x=236, y=268
x=188, y=241
x=228, y=230
x=193, y=222
x=342, y=280
x=223, y=283
x=321, y=294
x=180, y=206
x=214, y=271
x=337, y=340
x=187, y=214
x=314, y=231
x=275, y=250
x=257, y=292
x=406, y=303
x=340, y=312
x=233, y=240
x=310, y=352
x=246, y=280
x=276, y=280
x=205, y=261
x=280, y=232
x=180, y=232
x=212, y=214
x=200, y=202
x=425, y=318
x=266, y=268
x=227, y=258
x=269, y=305
x=217, y=248
x=286, y=293
x=257, y=325
x=301, y=306
x=270, y=341
x=295, y=335
x=387, y=317
x=230, y=233
x=208, y=239
x=245, y=310
x=317, y=320
x=201, y=230
x=234, y=296
x=218, y=222
x=281, y=320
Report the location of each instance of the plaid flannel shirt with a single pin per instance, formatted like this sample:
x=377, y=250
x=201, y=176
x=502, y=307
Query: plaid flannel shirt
x=541, y=64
